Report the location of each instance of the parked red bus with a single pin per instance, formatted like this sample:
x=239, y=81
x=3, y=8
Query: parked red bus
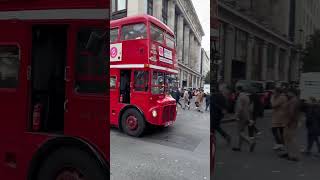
x=214, y=40
x=143, y=67
x=53, y=95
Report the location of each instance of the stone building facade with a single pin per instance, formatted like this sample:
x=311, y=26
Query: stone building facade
x=205, y=65
x=181, y=17
x=254, y=41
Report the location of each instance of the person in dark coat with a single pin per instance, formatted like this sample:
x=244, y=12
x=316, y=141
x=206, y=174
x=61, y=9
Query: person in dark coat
x=176, y=95
x=312, y=112
x=219, y=108
x=255, y=114
x=207, y=101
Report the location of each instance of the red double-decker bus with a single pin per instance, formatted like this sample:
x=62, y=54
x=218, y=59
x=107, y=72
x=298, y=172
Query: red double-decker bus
x=143, y=68
x=53, y=95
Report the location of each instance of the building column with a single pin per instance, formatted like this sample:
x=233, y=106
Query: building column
x=264, y=61
x=249, y=61
x=136, y=7
x=287, y=64
x=157, y=9
x=180, y=37
x=191, y=50
x=186, y=45
x=171, y=14
x=229, y=54
x=276, y=63
x=198, y=56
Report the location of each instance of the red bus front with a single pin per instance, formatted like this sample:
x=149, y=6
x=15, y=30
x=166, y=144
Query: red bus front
x=142, y=72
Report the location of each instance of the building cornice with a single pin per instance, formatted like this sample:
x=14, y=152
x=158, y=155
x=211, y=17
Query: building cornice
x=189, y=69
x=191, y=17
x=252, y=22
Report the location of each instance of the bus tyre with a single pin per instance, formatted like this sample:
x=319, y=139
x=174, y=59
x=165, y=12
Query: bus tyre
x=133, y=123
x=71, y=163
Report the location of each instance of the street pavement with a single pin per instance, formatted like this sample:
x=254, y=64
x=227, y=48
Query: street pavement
x=264, y=163
x=177, y=152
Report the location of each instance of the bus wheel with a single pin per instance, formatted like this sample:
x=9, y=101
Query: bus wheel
x=71, y=164
x=133, y=123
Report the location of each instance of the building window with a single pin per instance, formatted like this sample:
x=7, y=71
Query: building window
x=9, y=66
x=241, y=39
x=176, y=25
x=119, y=9
x=271, y=56
x=165, y=11
x=120, y=5
x=150, y=7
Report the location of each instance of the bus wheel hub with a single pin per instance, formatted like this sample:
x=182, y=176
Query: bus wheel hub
x=132, y=122
x=69, y=175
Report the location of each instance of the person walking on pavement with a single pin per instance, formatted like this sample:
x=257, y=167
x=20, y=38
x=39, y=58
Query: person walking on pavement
x=291, y=126
x=190, y=97
x=176, y=95
x=255, y=109
x=242, y=114
x=186, y=99
x=312, y=112
x=208, y=102
x=278, y=104
x=199, y=100
x=219, y=109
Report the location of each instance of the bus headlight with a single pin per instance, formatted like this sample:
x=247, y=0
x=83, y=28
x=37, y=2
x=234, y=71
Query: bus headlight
x=154, y=113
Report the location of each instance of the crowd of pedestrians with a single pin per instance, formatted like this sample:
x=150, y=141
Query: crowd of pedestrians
x=185, y=96
x=287, y=114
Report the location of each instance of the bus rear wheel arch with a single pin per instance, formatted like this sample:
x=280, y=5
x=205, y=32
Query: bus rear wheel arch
x=70, y=163
x=63, y=146
x=132, y=122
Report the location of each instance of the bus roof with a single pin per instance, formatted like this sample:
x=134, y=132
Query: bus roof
x=141, y=18
x=50, y=4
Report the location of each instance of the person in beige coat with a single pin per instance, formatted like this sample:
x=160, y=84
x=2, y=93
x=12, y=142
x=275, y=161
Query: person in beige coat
x=278, y=102
x=242, y=113
x=291, y=126
x=199, y=100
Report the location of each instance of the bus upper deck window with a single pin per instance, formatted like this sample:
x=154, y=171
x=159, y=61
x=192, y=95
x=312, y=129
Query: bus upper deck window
x=170, y=41
x=156, y=34
x=114, y=35
x=134, y=31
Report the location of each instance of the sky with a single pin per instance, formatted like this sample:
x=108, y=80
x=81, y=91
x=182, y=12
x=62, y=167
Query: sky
x=203, y=10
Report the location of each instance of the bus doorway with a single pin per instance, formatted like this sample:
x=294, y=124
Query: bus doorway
x=49, y=44
x=125, y=81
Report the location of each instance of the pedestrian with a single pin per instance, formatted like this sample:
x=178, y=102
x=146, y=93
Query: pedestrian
x=278, y=104
x=291, y=126
x=255, y=109
x=242, y=114
x=208, y=101
x=312, y=112
x=176, y=95
x=199, y=100
x=219, y=109
x=190, y=97
x=186, y=99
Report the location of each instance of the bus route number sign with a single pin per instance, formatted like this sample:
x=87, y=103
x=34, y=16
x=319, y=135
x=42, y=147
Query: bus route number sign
x=116, y=52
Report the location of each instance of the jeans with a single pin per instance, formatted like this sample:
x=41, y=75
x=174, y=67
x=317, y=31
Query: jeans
x=311, y=140
x=278, y=134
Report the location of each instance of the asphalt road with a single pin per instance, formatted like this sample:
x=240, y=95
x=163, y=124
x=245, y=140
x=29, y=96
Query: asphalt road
x=263, y=164
x=178, y=152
